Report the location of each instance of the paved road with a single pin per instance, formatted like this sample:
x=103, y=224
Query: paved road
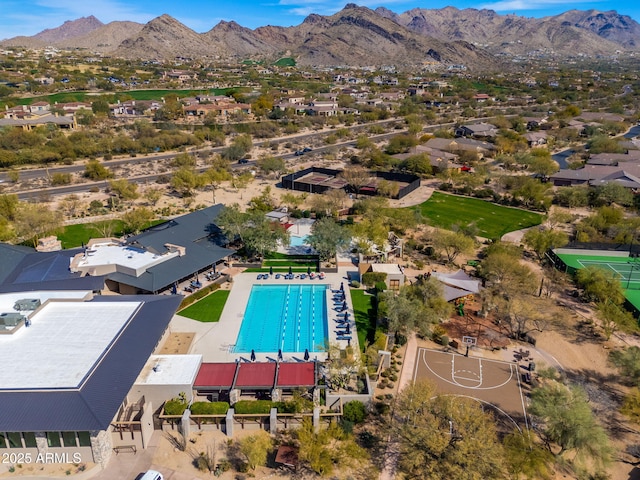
x=34, y=194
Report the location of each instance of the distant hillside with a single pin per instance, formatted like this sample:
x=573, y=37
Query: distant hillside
x=358, y=36
x=511, y=33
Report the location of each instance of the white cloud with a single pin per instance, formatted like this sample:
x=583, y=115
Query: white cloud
x=515, y=5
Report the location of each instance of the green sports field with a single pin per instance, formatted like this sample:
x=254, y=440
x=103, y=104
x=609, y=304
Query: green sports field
x=493, y=221
x=623, y=267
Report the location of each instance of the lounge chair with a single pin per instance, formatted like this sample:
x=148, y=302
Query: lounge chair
x=303, y=276
x=344, y=337
x=277, y=276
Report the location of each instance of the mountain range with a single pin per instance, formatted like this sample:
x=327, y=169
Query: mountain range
x=357, y=36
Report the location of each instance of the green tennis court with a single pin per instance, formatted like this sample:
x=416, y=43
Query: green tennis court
x=624, y=267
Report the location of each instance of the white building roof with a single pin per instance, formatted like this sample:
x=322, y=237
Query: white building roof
x=63, y=344
x=170, y=370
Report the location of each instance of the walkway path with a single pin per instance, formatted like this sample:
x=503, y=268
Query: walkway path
x=406, y=377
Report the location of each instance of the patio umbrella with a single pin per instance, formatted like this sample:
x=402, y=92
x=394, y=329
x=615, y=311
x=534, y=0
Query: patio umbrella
x=346, y=315
x=344, y=306
x=309, y=270
x=253, y=355
x=290, y=270
x=341, y=286
x=306, y=354
x=348, y=329
x=280, y=354
x=271, y=270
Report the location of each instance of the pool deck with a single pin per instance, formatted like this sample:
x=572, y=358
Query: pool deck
x=215, y=341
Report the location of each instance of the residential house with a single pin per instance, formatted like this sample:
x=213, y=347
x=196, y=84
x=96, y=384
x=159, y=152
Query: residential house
x=535, y=139
x=181, y=76
x=477, y=130
x=627, y=175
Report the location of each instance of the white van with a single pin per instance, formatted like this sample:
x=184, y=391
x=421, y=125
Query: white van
x=152, y=475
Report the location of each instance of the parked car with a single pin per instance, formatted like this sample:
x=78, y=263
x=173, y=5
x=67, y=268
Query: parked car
x=306, y=150
x=299, y=153
x=243, y=161
x=152, y=475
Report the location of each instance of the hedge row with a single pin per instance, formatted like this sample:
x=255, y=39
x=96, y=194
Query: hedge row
x=209, y=408
x=197, y=295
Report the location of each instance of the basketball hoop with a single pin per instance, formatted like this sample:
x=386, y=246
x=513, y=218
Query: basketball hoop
x=470, y=342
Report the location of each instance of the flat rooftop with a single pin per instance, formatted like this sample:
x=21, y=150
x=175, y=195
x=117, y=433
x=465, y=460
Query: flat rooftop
x=8, y=300
x=125, y=255
x=170, y=370
x=63, y=345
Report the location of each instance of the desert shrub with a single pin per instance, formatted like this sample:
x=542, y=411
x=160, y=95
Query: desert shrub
x=355, y=284
x=371, y=278
x=354, y=411
x=444, y=340
x=175, y=406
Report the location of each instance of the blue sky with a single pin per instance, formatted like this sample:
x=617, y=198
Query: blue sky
x=28, y=17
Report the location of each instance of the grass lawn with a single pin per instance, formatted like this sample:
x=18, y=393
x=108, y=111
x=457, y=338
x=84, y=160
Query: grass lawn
x=76, y=235
x=134, y=94
x=492, y=220
x=365, y=316
x=208, y=309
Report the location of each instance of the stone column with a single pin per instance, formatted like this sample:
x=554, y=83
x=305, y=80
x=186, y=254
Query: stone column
x=101, y=446
x=273, y=420
x=185, y=424
x=316, y=419
x=41, y=443
x=229, y=422
x=276, y=394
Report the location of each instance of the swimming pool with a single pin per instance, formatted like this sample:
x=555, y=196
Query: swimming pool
x=290, y=318
x=297, y=241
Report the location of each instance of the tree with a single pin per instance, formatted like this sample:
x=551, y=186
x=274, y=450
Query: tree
x=327, y=237
x=124, y=189
x=565, y=420
x=136, y=219
x=71, y=205
x=184, y=160
x=526, y=458
x=232, y=222
x=541, y=240
x=94, y=170
x=628, y=361
x=9, y=205
x=356, y=177
x=452, y=243
x=271, y=165
x=441, y=437
x=152, y=195
x=255, y=448
x=185, y=180
x=34, y=220
x=600, y=285
x=214, y=177
x=416, y=308
x=613, y=317
x=262, y=236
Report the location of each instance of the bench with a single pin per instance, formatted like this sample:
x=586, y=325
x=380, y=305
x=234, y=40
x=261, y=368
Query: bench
x=125, y=448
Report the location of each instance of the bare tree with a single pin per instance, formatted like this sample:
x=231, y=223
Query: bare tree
x=356, y=177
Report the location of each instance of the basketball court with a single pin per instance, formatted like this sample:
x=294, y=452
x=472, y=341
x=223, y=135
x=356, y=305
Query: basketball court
x=495, y=384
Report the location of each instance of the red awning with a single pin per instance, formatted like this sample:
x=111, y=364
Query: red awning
x=297, y=375
x=218, y=375
x=256, y=375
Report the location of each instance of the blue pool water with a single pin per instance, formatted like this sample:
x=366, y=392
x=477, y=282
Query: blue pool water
x=290, y=318
x=297, y=241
